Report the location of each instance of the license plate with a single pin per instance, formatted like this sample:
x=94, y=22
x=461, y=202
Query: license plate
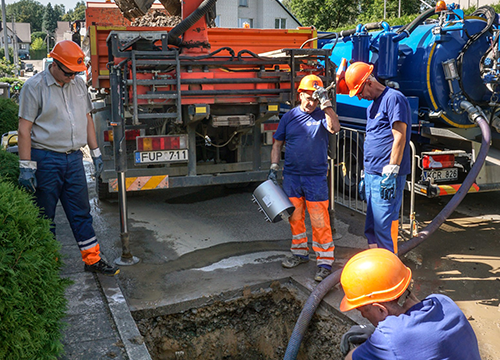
x=161, y=156
x=441, y=175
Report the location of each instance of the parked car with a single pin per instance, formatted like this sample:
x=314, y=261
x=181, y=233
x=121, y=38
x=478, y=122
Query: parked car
x=28, y=67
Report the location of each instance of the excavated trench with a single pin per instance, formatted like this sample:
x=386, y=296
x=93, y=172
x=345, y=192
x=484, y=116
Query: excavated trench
x=254, y=325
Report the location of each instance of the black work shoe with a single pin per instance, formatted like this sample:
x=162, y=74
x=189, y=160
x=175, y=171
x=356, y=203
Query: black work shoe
x=102, y=267
x=293, y=261
x=322, y=273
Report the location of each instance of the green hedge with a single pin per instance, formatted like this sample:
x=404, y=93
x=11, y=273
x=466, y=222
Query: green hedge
x=9, y=112
x=9, y=166
x=32, y=301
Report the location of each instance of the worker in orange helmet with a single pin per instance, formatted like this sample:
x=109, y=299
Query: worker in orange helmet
x=377, y=284
x=54, y=123
x=386, y=154
x=305, y=130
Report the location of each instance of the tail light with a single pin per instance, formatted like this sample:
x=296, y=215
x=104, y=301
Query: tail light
x=129, y=135
x=438, y=161
x=168, y=142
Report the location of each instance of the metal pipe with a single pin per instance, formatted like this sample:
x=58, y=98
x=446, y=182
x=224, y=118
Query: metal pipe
x=333, y=279
x=412, y=189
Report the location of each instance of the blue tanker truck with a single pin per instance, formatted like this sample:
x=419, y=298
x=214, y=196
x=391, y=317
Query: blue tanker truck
x=447, y=65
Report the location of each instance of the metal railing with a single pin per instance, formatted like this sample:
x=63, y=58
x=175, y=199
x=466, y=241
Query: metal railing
x=347, y=152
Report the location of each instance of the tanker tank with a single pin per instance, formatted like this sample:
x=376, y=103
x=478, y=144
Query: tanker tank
x=435, y=62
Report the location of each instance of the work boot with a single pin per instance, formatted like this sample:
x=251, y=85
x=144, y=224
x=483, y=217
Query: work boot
x=102, y=267
x=294, y=261
x=322, y=273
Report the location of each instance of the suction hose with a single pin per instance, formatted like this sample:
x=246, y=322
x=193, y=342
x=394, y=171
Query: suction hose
x=333, y=279
x=184, y=25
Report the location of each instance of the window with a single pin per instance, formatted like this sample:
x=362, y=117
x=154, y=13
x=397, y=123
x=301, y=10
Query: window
x=244, y=3
x=243, y=21
x=279, y=23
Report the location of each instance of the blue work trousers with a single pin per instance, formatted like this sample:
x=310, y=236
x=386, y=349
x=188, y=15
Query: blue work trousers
x=382, y=216
x=61, y=177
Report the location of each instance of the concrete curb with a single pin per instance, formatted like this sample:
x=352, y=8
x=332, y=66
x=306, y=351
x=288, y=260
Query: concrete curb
x=129, y=333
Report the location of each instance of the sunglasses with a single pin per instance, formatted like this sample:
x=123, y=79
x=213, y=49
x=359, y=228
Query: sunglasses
x=68, y=74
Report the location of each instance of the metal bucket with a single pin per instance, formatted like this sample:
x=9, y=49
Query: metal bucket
x=273, y=202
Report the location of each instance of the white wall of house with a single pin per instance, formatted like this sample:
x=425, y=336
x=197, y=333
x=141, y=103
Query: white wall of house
x=262, y=14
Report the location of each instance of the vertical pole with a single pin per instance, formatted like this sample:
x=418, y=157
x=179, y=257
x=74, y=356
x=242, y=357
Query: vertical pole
x=5, y=35
x=120, y=154
x=14, y=45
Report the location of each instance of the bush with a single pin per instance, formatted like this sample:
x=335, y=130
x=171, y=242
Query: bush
x=31, y=291
x=9, y=112
x=9, y=167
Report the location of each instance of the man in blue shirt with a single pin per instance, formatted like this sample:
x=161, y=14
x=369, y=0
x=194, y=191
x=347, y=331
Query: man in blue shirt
x=386, y=154
x=376, y=283
x=305, y=130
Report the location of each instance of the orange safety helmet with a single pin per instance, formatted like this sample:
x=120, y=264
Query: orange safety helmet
x=356, y=76
x=69, y=54
x=373, y=275
x=309, y=82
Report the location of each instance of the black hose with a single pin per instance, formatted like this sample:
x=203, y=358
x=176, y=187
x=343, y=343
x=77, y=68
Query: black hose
x=368, y=27
x=184, y=25
x=458, y=197
x=333, y=279
x=418, y=21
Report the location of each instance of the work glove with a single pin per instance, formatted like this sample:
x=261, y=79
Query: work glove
x=27, y=179
x=356, y=335
x=98, y=164
x=273, y=173
x=361, y=187
x=388, y=182
x=322, y=95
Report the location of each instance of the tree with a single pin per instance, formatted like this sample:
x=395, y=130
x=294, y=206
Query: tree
x=324, y=14
x=38, y=44
x=373, y=10
x=49, y=23
x=59, y=10
x=79, y=12
x=27, y=11
x=38, y=34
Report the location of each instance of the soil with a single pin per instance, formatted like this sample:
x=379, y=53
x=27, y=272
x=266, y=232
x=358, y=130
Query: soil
x=255, y=326
x=156, y=18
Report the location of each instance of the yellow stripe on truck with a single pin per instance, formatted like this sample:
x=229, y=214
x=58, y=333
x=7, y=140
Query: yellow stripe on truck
x=141, y=183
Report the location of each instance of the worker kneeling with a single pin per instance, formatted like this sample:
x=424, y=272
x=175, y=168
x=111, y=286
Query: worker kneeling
x=376, y=283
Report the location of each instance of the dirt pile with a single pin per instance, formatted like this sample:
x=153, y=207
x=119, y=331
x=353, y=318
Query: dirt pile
x=255, y=326
x=156, y=18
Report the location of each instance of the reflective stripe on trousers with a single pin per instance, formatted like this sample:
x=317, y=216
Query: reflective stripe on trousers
x=62, y=177
x=322, y=242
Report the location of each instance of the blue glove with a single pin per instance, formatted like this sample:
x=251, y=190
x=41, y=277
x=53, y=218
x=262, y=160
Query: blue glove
x=27, y=178
x=388, y=182
x=322, y=95
x=356, y=335
x=273, y=173
x=98, y=164
x=361, y=187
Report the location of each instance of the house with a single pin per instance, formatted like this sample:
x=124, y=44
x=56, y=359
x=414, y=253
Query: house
x=262, y=14
x=63, y=31
x=22, y=39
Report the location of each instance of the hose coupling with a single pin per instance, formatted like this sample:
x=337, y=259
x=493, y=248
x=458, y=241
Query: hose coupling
x=473, y=111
